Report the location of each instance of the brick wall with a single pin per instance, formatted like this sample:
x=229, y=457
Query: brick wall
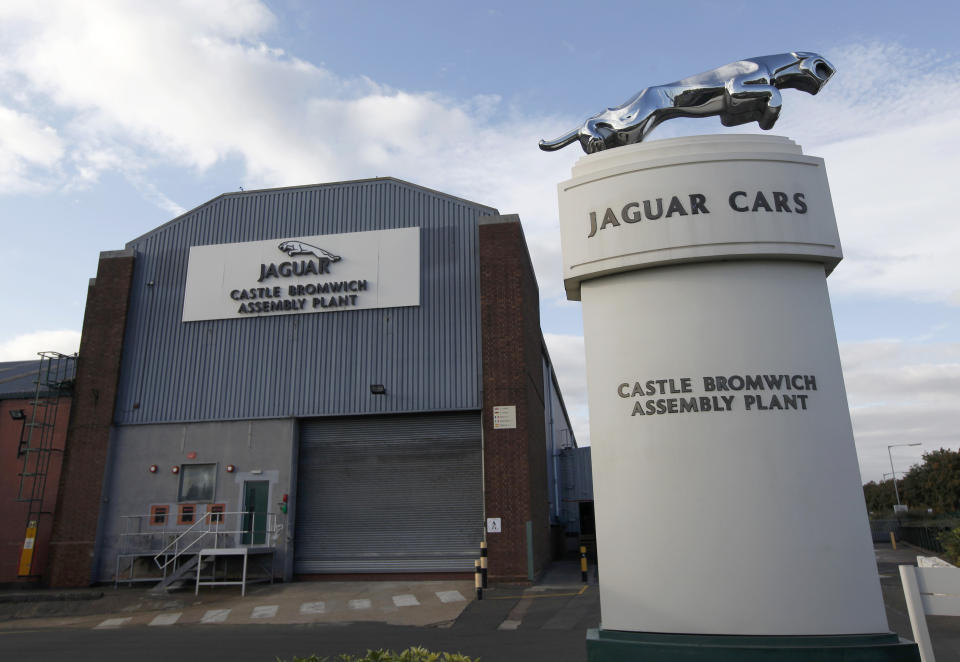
x=73, y=543
x=13, y=514
x=515, y=465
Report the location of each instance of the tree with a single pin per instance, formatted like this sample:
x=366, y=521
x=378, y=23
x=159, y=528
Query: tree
x=936, y=482
x=880, y=497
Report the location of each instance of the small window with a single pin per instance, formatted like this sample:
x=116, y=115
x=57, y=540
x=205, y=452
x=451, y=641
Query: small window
x=158, y=515
x=188, y=513
x=216, y=511
x=197, y=482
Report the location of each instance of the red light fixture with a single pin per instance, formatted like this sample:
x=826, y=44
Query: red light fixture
x=153, y=468
x=175, y=469
x=192, y=455
x=230, y=468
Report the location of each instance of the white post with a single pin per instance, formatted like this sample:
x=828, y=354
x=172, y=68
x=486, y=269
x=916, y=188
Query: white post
x=918, y=619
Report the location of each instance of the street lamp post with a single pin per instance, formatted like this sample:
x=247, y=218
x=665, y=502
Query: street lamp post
x=893, y=471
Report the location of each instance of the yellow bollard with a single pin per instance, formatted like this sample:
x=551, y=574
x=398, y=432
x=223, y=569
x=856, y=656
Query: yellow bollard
x=26, y=553
x=477, y=582
x=583, y=563
x=893, y=541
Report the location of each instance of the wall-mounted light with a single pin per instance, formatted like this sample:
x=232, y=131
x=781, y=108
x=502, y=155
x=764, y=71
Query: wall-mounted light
x=17, y=414
x=192, y=455
x=230, y=468
x=378, y=389
x=153, y=468
x=175, y=469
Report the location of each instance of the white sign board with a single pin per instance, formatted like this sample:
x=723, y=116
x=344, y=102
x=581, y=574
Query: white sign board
x=309, y=274
x=504, y=417
x=493, y=525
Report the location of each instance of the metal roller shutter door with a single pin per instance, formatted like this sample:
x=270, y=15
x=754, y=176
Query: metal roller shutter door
x=389, y=494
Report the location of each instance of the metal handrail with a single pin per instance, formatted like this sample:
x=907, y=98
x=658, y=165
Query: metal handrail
x=173, y=551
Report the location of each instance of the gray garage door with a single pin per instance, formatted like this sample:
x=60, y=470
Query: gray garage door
x=389, y=494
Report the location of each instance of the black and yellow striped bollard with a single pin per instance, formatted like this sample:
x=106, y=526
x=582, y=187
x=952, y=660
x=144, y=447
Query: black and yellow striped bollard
x=477, y=581
x=483, y=562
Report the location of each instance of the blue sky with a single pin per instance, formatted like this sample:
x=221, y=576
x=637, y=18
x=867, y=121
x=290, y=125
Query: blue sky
x=117, y=116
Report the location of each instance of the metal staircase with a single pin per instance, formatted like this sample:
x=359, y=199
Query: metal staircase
x=234, y=538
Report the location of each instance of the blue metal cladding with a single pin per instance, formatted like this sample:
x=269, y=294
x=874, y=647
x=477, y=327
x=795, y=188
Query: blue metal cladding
x=315, y=364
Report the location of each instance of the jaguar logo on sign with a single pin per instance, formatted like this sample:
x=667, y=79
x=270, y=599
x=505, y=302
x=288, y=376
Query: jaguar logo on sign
x=292, y=248
x=302, y=267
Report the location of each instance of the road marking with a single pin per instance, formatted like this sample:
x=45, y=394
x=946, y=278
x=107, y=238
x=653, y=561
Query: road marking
x=450, y=596
x=313, y=608
x=215, y=616
x=534, y=597
x=264, y=611
x=113, y=623
x=406, y=600
x=166, y=619
x=362, y=603
x=515, y=617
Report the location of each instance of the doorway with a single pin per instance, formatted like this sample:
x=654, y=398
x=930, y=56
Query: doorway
x=256, y=494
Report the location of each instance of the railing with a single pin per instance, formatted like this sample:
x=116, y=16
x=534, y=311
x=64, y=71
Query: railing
x=139, y=536
x=249, y=529
x=922, y=536
x=915, y=534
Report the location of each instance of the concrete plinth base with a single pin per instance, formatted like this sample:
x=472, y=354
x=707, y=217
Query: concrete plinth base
x=620, y=646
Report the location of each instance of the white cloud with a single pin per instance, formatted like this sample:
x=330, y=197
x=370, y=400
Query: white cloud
x=901, y=392
x=27, y=146
x=179, y=84
x=26, y=347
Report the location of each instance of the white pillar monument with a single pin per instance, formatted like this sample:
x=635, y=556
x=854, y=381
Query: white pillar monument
x=730, y=516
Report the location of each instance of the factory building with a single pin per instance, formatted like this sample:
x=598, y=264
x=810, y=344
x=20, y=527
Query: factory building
x=348, y=377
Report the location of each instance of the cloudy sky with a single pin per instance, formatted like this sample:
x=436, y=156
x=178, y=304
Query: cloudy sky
x=117, y=116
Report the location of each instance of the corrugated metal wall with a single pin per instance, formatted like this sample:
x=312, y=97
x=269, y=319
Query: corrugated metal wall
x=577, y=471
x=389, y=494
x=428, y=357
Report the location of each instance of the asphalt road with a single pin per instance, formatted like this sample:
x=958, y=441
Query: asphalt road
x=549, y=627
x=266, y=643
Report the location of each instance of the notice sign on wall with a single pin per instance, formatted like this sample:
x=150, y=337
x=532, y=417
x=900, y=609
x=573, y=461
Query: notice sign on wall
x=309, y=274
x=504, y=417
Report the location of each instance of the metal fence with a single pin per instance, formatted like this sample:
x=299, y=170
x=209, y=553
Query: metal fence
x=921, y=536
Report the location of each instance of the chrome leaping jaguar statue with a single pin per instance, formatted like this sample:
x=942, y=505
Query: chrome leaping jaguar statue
x=739, y=92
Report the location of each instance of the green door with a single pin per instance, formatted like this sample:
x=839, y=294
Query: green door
x=255, y=496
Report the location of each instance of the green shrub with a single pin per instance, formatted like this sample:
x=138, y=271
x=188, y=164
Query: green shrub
x=416, y=654
x=951, y=545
